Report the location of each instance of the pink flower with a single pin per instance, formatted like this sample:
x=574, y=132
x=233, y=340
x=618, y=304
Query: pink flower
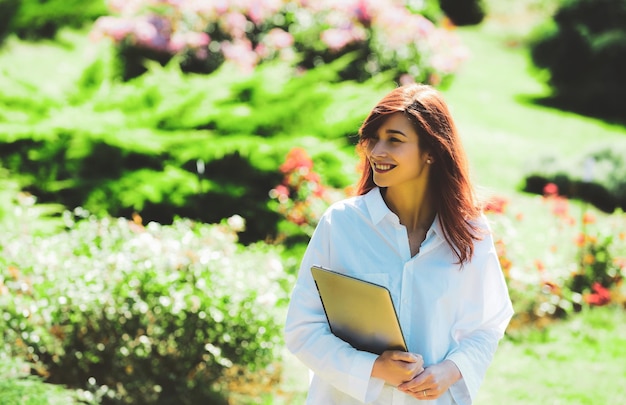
x=113, y=27
x=362, y=12
x=336, y=38
x=145, y=33
x=188, y=40
x=260, y=10
x=235, y=24
x=277, y=38
x=241, y=53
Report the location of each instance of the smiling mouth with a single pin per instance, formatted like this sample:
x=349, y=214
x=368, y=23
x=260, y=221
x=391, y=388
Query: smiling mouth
x=382, y=168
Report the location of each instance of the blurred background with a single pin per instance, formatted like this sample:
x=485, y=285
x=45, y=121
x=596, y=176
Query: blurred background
x=163, y=164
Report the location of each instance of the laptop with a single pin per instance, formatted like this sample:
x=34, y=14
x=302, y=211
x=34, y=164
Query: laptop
x=359, y=312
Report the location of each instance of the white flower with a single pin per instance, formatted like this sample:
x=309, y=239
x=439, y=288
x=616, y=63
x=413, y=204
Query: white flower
x=237, y=223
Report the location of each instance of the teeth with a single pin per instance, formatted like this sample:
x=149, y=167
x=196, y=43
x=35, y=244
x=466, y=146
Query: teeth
x=383, y=167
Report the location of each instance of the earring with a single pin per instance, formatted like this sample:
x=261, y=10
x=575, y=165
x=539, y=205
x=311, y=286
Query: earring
x=429, y=161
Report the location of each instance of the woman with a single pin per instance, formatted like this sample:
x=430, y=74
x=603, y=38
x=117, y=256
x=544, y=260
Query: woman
x=415, y=228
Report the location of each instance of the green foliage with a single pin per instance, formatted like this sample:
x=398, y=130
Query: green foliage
x=171, y=144
x=20, y=213
x=19, y=387
x=463, y=12
x=8, y=8
x=597, y=176
x=152, y=315
x=37, y=19
x=599, y=272
x=584, y=51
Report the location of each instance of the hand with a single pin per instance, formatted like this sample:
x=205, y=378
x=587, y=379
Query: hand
x=396, y=367
x=433, y=382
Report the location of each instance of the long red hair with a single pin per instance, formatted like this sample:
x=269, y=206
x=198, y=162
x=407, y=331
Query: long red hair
x=449, y=181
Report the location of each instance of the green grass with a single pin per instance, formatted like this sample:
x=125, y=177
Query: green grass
x=19, y=387
x=580, y=361
x=502, y=129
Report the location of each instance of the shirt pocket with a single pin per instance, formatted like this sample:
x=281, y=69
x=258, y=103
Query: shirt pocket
x=381, y=279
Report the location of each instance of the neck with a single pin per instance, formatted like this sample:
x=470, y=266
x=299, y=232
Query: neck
x=413, y=206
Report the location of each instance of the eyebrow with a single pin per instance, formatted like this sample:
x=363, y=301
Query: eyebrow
x=396, y=131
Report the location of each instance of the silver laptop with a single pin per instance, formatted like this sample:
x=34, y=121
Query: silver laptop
x=359, y=312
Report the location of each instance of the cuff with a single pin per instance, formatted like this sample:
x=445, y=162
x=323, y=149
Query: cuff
x=365, y=387
x=460, y=390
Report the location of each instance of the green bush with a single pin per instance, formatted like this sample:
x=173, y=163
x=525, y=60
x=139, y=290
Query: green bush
x=463, y=12
x=132, y=314
x=8, y=9
x=36, y=19
x=584, y=51
x=597, y=177
x=19, y=387
x=20, y=212
x=170, y=144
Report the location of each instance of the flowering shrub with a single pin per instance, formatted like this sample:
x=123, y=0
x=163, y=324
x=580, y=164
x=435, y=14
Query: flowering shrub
x=134, y=314
x=301, y=198
x=248, y=32
x=555, y=263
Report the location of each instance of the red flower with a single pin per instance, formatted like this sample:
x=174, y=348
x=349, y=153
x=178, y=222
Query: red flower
x=297, y=158
x=600, y=296
x=560, y=207
x=282, y=191
x=539, y=265
x=589, y=218
x=496, y=205
x=550, y=189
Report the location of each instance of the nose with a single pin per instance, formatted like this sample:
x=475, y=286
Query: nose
x=378, y=149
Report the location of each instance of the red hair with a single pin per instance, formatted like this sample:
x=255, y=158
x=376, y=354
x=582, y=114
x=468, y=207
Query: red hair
x=449, y=180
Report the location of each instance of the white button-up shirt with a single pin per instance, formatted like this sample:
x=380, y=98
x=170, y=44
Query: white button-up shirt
x=446, y=311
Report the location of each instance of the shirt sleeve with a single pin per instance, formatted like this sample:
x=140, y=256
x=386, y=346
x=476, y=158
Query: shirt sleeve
x=484, y=314
x=308, y=336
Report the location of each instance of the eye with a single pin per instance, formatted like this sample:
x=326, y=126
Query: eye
x=394, y=139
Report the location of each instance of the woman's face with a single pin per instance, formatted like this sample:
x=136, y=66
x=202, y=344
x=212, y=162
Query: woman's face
x=394, y=154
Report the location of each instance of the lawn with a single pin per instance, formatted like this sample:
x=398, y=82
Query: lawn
x=580, y=361
x=503, y=130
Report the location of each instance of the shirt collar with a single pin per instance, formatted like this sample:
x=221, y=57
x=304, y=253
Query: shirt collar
x=379, y=210
x=376, y=206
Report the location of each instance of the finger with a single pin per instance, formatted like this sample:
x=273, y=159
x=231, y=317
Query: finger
x=406, y=356
x=417, y=383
